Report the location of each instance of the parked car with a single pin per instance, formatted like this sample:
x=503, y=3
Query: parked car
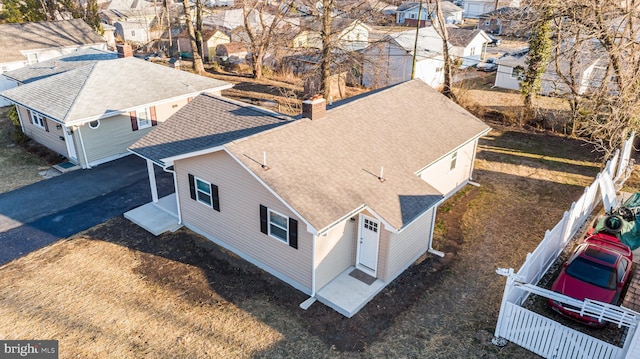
x=494, y=41
x=490, y=64
x=598, y=269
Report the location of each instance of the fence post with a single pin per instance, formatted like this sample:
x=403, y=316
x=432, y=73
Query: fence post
x=497, y=338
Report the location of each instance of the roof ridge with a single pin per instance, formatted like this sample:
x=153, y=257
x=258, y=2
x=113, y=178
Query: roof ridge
x=84, y=84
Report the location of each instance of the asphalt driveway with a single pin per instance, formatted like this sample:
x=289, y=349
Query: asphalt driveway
x=37, y=215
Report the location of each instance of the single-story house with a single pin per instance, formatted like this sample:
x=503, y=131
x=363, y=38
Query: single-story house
x=474, y=8
x=587, y=72
x=32, y=42
x=312, y=200
x=211, y=38
x=348, y=34
x=390, y=60
x=469, y=46
x=407, y=13
x=91, y=114
x=508, y=21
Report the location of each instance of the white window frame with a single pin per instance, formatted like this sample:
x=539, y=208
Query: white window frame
x=3, y=69
x=32, y=58
x=472, y=51
x=412, y=16
x=270, y=223
x=517, y=73
x=199, y=191
x=133, y=33
x=144, y=118
x=38, y=120
x=454, y=161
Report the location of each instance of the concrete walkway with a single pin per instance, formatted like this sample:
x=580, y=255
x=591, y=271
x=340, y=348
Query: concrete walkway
x=37, y=215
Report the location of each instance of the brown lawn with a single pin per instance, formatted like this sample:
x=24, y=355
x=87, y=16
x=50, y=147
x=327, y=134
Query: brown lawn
x=117, y=291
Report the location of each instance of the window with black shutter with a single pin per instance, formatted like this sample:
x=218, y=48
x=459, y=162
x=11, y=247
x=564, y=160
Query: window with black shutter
x=279, y=226
x=204, y=192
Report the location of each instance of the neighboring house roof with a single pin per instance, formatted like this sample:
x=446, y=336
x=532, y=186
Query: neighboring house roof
x=79, y=58
x=338, y=24
x=15, y=38
x=231, y=48
x=508, y=13
x=463, y=37
x=447, y=7
x=429, y=42
x=106, y=88
x=326, y=168
x=208, y=121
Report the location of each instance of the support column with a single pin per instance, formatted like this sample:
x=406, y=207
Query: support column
x=152, y=181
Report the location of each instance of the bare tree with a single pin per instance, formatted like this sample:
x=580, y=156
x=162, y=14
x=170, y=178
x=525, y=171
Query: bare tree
x=596, y=54
x=439, y=24
x=262, y=23
x=198, y=66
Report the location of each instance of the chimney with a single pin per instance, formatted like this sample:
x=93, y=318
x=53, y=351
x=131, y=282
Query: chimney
x=314, y=108
x=124, y=50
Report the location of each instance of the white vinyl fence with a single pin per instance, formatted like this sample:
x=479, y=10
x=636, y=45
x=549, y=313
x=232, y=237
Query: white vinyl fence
x=544, y=336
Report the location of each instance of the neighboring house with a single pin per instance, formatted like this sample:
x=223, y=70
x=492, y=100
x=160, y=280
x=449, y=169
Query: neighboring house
x=139, y=11
x=390, y=60
x=586, y=72
x=475, y=8
x=468, y=46
x=32, y=42
x=346, y=34
x=507, y=21
x=211, y=38
x=407, y=13
x=91, y=114
x=232, y=52
x=337, y=203
x=132, y=32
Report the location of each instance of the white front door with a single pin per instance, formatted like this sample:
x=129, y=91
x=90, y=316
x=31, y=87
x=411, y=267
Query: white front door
x=368, y=235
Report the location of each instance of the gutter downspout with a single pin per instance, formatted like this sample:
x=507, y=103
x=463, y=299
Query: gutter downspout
x=307, y=303
x=84, y=151
x=433, y=226
x=175, y=187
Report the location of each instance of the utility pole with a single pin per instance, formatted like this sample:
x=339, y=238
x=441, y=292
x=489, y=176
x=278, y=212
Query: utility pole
x=415, y=44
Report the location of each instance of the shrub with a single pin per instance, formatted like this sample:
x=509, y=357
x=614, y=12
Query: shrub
x=13, y=116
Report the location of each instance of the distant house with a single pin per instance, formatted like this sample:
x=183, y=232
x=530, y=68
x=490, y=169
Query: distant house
x=474, y=8
x=586, y=72
x=347, y=34
x=211, y=39
x=132, y=31
x=32, y=42
x=232, y=52
x=468, y=46
x=508, y=21
x=90, y=114
x=390, y=60
x=407, y=13
x=336, y=203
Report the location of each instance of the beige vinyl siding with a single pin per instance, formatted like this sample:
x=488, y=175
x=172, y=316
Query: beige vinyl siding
x=335, y=252
x=49, y=139
x=238, y=222
x=441, y=178
x=111, y=138
x=405, y=247
x=115, y=135
x=383, y=245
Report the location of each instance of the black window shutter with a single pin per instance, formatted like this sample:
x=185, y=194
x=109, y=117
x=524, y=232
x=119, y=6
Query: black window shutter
x=133, y=115
x=192, y=186
x=264, y=228
x=215, y=200
x=293, y=233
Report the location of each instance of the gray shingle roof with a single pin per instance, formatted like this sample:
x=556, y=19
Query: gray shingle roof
x=58, y=65
x=42, y=35
x=108, y=87
x=462, y=37
x=328, y=167
x=208, y=121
